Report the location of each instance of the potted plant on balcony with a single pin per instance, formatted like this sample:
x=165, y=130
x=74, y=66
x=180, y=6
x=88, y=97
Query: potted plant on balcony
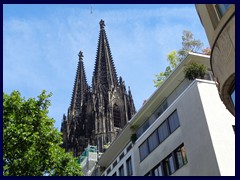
x=195, y=70
x=134, y=135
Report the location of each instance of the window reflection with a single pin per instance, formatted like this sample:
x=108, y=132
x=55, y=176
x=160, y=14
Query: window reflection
x=233, y=97
x=174, y=161
x=222, y=8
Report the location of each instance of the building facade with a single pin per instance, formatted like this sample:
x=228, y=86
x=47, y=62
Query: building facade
x=218, y=21
x=97, y=114
x=183, y=129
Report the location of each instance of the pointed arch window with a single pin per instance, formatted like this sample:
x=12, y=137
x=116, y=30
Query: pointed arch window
x=116, y=116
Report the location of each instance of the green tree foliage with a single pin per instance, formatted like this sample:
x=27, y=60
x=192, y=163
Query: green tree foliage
x=31, y=144
x=173, y=60
x=189, y=44
x=174, y=57
x=194, y=70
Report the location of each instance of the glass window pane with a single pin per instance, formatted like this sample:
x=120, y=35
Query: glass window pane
x=184, y=155
x=233, y=97
x=108, y=171
x=129, y=167
x=153, y=141
x=171, y=164
x=143, y=150
x=115, y=163
x=163, y=131
x=129, y=147
x=179, y=158
x=143, y=128
x=166, y=167
x=158, y=170
x=121, y=156
x=173, y=121
x=121, y=171
x=222, y=8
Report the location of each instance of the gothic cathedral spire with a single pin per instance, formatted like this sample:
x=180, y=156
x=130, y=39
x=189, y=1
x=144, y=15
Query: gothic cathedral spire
x=74, y=125
x=80, y=87
x=104, y=72
x=96, y=115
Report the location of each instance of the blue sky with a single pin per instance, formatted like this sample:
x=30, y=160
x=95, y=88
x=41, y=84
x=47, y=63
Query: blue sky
x=41, y=45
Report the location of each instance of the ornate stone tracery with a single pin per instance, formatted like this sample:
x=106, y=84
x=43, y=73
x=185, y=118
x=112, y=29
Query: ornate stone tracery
x=98, y=113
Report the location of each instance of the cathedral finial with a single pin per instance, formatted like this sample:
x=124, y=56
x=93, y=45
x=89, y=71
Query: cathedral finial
x=80, y=55
x=102, y=24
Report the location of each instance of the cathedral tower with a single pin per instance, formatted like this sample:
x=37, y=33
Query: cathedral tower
x=96, y=115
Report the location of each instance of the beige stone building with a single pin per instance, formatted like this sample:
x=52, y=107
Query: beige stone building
x=218, y=21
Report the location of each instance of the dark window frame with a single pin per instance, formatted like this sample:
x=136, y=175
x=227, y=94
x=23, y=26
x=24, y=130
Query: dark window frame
x=121, y=156
x=162, y=127
x=157, y=139
x=148, y=151
x=108, y=170
x=114, y=163
x=121, y=170
x=156, y=168
x=129, y=166
x=165, y=163
x=169, y=120
x=129, y=148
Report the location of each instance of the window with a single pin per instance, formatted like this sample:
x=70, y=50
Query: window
x=129, y=147
x=175, y=160
x=161, y=108
x=166, y=167
x=121, y=156
x=143, y=150
x=153, y=141
x=152, y=118
x=173, y=121
x=221, y=9
x=115, y=163
x=169, y=165
x=116, y=116
x=163, y=131
x=179, y=158
x=129, y=167
x=121, y=171
x=180, y=155
x=233, y=97
x=159, y=135
x=108, y=170
x=143, y=128
x=157, y=171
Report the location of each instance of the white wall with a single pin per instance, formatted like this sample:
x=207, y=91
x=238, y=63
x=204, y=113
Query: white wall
x=194, y=133
x=220, y=122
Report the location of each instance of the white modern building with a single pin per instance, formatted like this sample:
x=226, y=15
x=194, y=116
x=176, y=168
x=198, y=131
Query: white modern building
x=183, y=129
